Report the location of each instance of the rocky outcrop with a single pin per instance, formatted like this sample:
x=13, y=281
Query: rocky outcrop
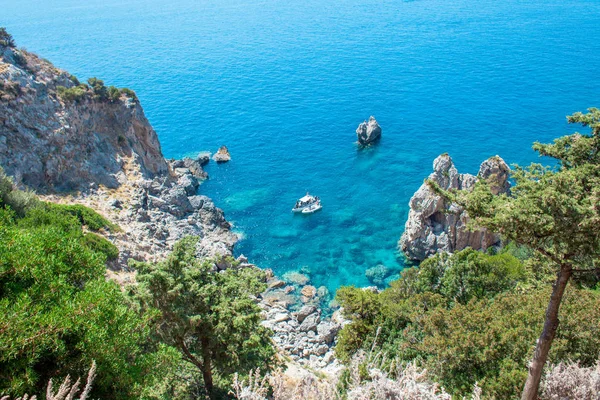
x=307, y=337
x=53, y=145
x=222, y=155
x=368, y=132
x=434, y=224
x=103, y=153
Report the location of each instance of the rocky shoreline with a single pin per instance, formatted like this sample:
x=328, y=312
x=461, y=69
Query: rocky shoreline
x=103, y=153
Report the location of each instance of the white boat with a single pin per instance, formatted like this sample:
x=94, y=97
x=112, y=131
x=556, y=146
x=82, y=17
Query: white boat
x=305, y=202
x=312, y=208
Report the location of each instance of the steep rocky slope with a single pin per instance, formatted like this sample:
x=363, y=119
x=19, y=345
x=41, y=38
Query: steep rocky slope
x=93, y=145
x=435, y=224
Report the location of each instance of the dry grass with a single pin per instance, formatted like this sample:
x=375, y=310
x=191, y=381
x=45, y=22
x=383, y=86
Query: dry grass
x=66, y=391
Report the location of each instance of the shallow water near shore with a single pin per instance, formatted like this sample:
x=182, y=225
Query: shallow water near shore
x=284, y=85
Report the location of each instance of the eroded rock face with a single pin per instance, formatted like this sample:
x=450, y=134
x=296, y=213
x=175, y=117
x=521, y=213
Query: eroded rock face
x=368, y=132
x=103, y=154
x=436, y=225
x=52, y=145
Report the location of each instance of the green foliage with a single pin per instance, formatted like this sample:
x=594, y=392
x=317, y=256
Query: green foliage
x=85, y=215
x=129, y=93
x=466, y=319
x=210, y=317
x=17, y=200
x=6, y=38
x=74, y=79
x=465, y=275
x=73, y=94
x=59, y=313
x=100, y=91
x=113, y=94
x=101, y=245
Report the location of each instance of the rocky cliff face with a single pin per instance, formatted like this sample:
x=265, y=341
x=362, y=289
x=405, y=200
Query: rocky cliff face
x=435, y=225
x=102, y=152
x=53, y=145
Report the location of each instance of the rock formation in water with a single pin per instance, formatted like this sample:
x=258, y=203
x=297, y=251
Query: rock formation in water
x=368, y=132
x=434, y=224
x=93, y=145
x=222, y=155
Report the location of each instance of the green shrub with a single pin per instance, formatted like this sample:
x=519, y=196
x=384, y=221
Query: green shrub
x=74, y=94
x=17, y=200
x=100, y=91
x=6, y=38
x=74, y=79
x=86, y=216
x=114, y=94
x=101, y=245
x=129, y=93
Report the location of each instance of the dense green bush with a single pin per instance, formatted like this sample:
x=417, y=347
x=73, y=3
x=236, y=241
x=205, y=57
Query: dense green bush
x=101, y=245
x=113, y=94
x=6, y=38
x=129, y=93
x=60, y=313
x=73, y=94
x=469, y=317
x=211, y=318
x=19, y=201
x=100, y=91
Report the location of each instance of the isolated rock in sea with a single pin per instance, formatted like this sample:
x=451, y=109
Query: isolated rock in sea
x=222, y=155
x=368, y=132
x=435, y=224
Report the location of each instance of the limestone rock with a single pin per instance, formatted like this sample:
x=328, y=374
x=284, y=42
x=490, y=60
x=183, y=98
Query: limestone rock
x=310, y=323
x=327, y=331
x=436, y=225
x=309, y=291
x=107, y=156
x=222, y=155
x=305, y=312
x=368, y=132
x=53, y=145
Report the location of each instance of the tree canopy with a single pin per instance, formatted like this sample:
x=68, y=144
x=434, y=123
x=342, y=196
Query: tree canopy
x=211, y=317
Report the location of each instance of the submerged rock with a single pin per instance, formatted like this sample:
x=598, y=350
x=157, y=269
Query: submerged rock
x=435, y=224
x=296, y=278
x=222, y=155
x=378, y=274
x=368, y=132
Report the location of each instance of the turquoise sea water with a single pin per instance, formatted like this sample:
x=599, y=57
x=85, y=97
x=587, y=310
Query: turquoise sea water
x=284, y=84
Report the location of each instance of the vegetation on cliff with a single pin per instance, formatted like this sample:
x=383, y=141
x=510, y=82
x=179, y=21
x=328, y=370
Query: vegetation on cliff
x=211, y=318
x=60, y=313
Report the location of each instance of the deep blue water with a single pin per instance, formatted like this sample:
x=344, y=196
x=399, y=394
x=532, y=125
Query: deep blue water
x=284, y=84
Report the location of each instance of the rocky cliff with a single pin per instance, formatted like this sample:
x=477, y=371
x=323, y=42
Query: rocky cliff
x=93, y=145
x=435, y=224
x=49, y=143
